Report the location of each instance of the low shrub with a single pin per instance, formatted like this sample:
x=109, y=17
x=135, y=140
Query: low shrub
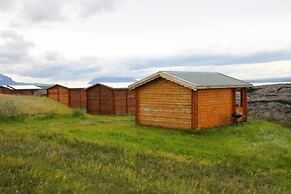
x=78, y=113
x=9, y=111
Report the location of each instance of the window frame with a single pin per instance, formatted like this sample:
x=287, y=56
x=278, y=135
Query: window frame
x=239, y=97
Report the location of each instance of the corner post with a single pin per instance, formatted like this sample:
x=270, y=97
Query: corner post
x=136, y=107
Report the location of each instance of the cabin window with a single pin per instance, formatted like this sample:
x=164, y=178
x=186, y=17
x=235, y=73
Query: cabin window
x=238, y=98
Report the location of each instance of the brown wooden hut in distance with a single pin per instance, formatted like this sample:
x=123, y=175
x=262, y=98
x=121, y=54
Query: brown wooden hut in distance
x=110, y=98
x=189, y=100
x=72, y=96
x=25, y=89
x=4, y=89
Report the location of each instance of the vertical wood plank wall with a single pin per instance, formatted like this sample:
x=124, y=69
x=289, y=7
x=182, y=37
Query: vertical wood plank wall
x=194, y=110
x=137, y=107
x=215, y=107
x=59, y=93
x=120, y=101
x=131, y=102
x=93, y=100
x=64, y=95
x=53, y=93
x=105, y=100
x=25, y=92
x=4, y=90
x=165, y=104
x=75, y=98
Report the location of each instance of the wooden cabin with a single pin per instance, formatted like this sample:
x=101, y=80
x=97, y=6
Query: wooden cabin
x=25, y=89
x=4, y=89
x=108, y=99
x=189, y=100
x=74, y=97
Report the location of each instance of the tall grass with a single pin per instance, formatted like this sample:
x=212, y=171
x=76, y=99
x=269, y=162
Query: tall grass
x=9, y=111
x=35, y=105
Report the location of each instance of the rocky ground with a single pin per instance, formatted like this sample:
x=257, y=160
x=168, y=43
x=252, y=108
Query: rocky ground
x=271, y=102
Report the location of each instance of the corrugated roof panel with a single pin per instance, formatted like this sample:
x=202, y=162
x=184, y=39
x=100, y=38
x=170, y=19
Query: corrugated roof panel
x=24, y=87
x=207, y=79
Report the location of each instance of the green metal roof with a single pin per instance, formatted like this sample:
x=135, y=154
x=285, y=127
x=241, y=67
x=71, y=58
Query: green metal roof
x=207, y=79
x=195, y=80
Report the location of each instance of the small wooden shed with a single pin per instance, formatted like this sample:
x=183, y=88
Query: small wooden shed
x=110, y=99
x=189, y=100
x=72, y=96
x=4, y=89
x=25, y=89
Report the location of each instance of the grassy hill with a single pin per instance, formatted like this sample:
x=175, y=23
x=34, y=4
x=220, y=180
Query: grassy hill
x=110, y=154
x=33, y=105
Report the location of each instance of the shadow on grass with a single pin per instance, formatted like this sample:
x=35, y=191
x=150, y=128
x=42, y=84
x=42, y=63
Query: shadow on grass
x=19, y=118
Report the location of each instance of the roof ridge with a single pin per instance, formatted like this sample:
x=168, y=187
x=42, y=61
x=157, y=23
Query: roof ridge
x=193, y=71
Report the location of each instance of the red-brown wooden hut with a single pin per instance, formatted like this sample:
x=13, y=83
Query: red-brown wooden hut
x=189, y=100
x=72, y=96
x=4, y=89
x=25, y=89
x=110, y=98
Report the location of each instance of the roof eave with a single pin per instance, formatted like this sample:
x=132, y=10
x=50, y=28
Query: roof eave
x=144, y=81
x=182, y=82
x=6, y=86
x=92, y=86
x=67, y=87
x=100, y=84
x=165, y=76
x=56, y=85
x=224, y=86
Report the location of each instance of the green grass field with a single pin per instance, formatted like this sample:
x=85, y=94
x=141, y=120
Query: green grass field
x=53, y=149
x=110, y=154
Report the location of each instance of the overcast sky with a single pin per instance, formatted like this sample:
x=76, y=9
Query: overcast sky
x=78, y=40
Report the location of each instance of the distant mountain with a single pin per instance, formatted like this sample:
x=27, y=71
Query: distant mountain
x=112, y=80
x=5, y=80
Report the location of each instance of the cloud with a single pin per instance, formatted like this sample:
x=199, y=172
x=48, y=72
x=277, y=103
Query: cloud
x=15, y=58
x=14, y=49
x=63, y=69
x=39, y=11
x=5, y=5
x=43, y=11
x=91, y=7
x=210, y=59
x=87, y=68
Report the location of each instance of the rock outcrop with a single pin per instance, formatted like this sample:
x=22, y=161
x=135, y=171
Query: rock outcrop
x=270, y=101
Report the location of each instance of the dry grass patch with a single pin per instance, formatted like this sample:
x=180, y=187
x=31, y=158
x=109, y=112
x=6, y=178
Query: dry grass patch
x=35, y=105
